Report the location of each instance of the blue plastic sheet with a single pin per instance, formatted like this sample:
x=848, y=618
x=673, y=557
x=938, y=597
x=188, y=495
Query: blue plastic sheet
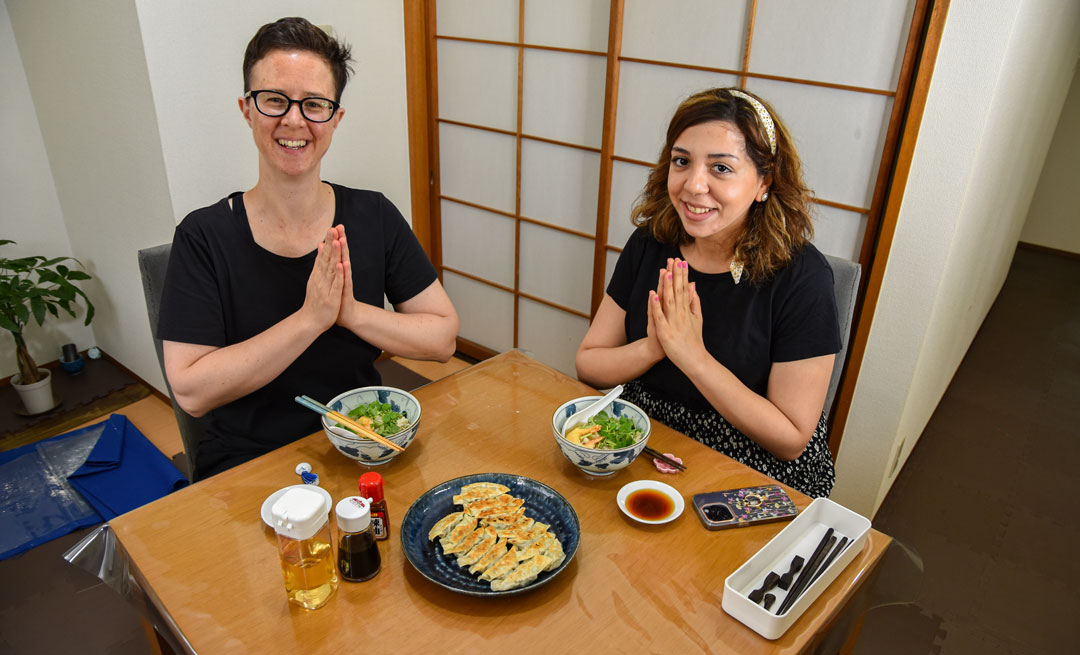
x=80, y=478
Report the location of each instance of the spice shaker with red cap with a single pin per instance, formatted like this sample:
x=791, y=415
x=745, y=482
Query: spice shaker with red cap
x=371, y=486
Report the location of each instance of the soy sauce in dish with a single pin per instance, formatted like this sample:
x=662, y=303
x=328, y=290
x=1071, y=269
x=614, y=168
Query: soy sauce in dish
x=649, y=504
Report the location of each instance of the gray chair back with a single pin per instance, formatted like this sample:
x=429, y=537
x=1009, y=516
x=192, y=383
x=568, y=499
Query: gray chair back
x=846, y=274
x=153, y=263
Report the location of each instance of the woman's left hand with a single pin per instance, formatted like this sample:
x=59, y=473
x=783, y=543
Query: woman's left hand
x=675, y=311
x=349, y=303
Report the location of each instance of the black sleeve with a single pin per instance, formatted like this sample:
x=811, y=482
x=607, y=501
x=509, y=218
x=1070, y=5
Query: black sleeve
x=190, y=302
x=806, y=324
x=621, y=284
x=408, y=269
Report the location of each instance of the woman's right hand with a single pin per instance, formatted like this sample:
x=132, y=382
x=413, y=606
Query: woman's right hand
x=322, y=302
x=652, y=341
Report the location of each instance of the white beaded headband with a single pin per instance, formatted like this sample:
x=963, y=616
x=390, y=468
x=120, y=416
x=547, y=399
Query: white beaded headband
x=763, y=114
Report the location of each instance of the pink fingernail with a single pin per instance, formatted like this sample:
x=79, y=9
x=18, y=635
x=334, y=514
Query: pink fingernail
x=669, y=276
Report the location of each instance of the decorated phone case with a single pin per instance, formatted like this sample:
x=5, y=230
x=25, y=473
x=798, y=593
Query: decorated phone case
x=736, y=508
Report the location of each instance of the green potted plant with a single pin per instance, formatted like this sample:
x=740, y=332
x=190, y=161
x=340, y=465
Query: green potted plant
x=30, y=288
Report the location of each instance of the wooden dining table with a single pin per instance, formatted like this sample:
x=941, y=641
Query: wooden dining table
x=207, y=562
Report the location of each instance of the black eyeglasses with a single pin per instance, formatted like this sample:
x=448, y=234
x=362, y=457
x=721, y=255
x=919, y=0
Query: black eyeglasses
x=272, y=103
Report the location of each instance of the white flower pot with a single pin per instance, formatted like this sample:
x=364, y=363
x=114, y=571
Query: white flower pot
x=37, y=397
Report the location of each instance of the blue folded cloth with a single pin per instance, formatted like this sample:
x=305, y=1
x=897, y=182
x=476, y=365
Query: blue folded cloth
x=124, y=471
x=48, y=490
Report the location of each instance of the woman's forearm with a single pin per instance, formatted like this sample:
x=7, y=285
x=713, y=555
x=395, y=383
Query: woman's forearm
x=420, y=335
x=607, y=366
x=758, y=417
x=204, y=378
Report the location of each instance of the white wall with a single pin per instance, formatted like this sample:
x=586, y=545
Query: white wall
x=29, y=207
x=1054, y=216
x=194, y=52
x=87, y=77
x=998, y=88
x=163, y=134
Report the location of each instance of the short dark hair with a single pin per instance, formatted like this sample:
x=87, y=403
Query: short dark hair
x=299, y=34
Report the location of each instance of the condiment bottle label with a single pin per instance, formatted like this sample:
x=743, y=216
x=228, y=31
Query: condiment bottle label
x=378, y=525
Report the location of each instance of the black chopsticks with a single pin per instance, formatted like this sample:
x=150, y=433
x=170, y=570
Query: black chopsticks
x=664, y=458
x=819, y=561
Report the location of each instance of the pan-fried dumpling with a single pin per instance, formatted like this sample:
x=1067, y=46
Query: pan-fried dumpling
x=490, y=506
x=525, y=573
x=460, y=531
x=502, y=566
x=487, y=486
x=555, y=553
x=509, y=520
x=501, y=523
x=525, y=538
x=486, y=541
x=466, y=544
x=538, y=547
x=471, y=493
x=490, y=557
x=444, y=525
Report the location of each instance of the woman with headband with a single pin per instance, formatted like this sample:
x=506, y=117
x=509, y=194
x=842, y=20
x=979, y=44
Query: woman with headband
x=720, y=317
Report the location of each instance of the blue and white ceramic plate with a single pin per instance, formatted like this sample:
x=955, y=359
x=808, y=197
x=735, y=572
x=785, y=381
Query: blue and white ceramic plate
x=541, y=503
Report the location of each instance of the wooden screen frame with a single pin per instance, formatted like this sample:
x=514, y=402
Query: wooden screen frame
x=909, y=98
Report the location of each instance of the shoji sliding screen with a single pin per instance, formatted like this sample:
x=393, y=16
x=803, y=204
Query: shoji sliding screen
x=549, y=113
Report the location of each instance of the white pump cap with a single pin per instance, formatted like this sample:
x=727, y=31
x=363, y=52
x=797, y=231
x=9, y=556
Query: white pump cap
x=353, y=513
x=299, y=513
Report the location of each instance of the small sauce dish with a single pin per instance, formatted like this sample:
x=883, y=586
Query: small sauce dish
x=648, y=501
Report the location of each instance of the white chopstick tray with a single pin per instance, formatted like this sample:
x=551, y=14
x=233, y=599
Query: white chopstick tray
x=800, y=537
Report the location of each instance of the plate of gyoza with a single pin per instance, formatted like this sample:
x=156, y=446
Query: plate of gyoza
x=490, y=534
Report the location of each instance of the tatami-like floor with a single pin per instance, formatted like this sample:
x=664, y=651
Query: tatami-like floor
x=985, y=498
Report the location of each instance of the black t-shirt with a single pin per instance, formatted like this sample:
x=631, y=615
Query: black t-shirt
x=746, y=327
x=223, y=288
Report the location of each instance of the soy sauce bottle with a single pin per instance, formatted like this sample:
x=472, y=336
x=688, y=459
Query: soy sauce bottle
x=371, y=486
x=358, y=554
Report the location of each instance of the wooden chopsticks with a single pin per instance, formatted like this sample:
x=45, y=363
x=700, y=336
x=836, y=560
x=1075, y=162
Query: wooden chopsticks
x=664, y=458
x=360, y=429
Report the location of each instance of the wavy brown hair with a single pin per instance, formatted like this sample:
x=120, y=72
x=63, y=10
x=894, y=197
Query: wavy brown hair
x=775, y=229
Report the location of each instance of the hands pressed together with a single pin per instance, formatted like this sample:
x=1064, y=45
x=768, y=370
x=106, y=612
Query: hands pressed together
x=329, y=297
x=674, y=328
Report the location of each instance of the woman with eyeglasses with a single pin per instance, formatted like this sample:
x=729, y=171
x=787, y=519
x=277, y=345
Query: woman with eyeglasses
x=720, y=316
x=278, y=291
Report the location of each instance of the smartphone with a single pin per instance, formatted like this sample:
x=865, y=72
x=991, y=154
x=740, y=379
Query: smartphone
x=736, y=508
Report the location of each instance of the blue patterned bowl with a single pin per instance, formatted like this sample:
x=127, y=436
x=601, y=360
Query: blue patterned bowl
x=600, y=462
x=366, y=451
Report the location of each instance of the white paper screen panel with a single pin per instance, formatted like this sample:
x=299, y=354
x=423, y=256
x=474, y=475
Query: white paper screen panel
x=477, y=166
x=699, y=32
x=556, y=266
x=577, y=24
x=490, y=257
x=550, y=335
x=563, y=96
x=852, y=42
x=478, y=83
x=477, y=304
x=648, y=96
x=559, y=184
x=495, y=20
x=839, y=135
x=627, y=182
x=839, y=232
